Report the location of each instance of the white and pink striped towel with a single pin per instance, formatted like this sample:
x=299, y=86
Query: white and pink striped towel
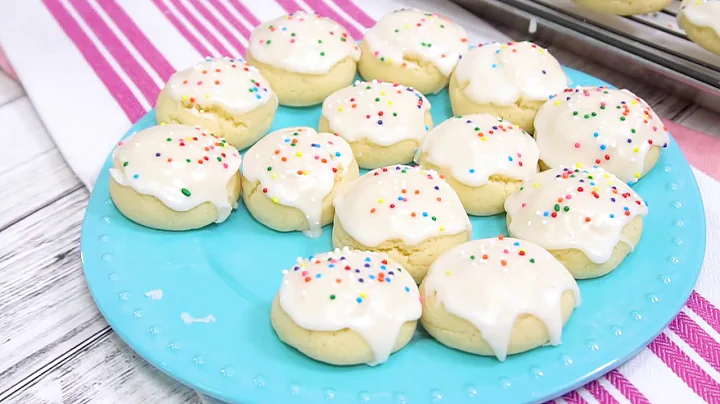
x=92, y=67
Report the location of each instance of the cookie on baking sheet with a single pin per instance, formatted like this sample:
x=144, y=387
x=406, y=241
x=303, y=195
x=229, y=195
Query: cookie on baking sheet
x=291, y=176
x=484, y=159
x=588, y=219
x=305, y=57
x=509, y=80
x=497, y=297
x=614, y=129
x=226, y=97
x=175, y=177
x=625, y=7
x=411, y=214
x=383, y=122
x=701, y=21
x=412, y=47
x=346, y=307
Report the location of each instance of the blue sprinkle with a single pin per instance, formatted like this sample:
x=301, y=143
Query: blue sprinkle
x=258, y=96
x=371, y=276
x=331, y=266
x=287, y=140
x=517, y=243
x=407, y=289
x=612, y=216
x=596, y=134
x=337, y=154
x=388, y=280
x=626, y=208
x=367, y=259
x=546, y=214
x=399, y=198
x=494, y=66
x=318, y=276
x=427, y=127
x=359, y=300
x=136, y=176
x=509, y=158
x=603, y=147
x=425, y=214
x=472, y=171
x=383, y=267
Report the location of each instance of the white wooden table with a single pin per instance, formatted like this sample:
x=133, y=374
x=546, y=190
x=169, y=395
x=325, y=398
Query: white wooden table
x=55, y=347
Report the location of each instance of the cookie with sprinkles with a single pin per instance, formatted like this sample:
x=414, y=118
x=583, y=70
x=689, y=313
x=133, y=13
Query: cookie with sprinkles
x=225, y=96
x=497, y=297
x=383, y=122
x=625, y=7
x=175, y=177
x=588, y=219
x=614, y=129
x=304, y=56
x=510, y=80
x=484, y=159
x=408, y=212
x=346, y=307
x=291, y=176
x=701, y=21
x=412, y=47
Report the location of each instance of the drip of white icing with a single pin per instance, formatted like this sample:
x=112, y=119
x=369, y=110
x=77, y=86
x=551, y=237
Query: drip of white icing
x=703, y=13
x=231, y=84
x=383, y=113
x=302, y=43
x=188, y=319
x=477, y=146
x=491, y=282
x=503, y=74
x=297, y=167
x=366, y=292
x=407, y=35
x=400, y=203
x=582, y=209
x=614, y=129
x=180, y=165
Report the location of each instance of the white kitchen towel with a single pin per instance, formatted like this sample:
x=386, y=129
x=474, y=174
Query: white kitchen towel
x=92, y=67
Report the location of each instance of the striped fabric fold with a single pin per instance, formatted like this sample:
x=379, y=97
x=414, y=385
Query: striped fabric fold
x=132, y=69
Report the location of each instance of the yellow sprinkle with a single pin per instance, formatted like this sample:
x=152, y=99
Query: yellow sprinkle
x=636, y=149
x=382, y=92
x=503, y=47
x=535, y=185
x=207, y=95
x=188, y=138
x=162, y=123
x=557, y=102
x=578, y=165
x=607, y=175
x=390, y=61
x=381, y=200
x=484, y=138
x=634, y=102
x=299, y=154
x=595, y=188
x=275, y=200
x=302, y=264
x=542, y=50
x=184, y=98
x=363, y=295
x=637, y=175
x=339, y=109
x=389, y=102
x=442, y=228
x=274, y=175
x=407, y=26
x=448, y=272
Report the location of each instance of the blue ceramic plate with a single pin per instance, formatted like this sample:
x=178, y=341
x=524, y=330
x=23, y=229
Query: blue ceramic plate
x=232, y=271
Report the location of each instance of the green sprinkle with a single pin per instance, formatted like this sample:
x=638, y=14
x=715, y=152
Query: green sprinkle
x=332, y=297
x=169, y=139
x=394, y=113
x=566, y=209
x=434, y=218
x=185, y=192
x=397, y=30
x=477, y=129
x=575, y=113
x=188, y=160
x=587, y=116
x=622, y=118
x=442, y=26
x=268, y=42
x=322, y=53
x=269, y=168
x=557, y=208
x=472, y=257
x=293, y=34
x=532, y=260
x=125, y=164
x=382, y=58
x=319, y=40
x=377, y=99
x=632, y=130
x=594, y=114
x=219, y=159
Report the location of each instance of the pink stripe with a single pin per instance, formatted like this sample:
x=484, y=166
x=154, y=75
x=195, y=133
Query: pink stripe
x=697, y=338
x=137, y=38
x=574, y=398
x=201, y=28
x=182, y=29
x=323, y=9
x=355, y=12
x=119, y=52
x=249, y=16
x=600, y=393
x=231, y=18
x=117, y=88
x=219, y=26
x=626, y=388
x=705, y=310
x=690, y=372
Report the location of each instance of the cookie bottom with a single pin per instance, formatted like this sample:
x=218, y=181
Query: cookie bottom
x=624, y=7
x=703, y=36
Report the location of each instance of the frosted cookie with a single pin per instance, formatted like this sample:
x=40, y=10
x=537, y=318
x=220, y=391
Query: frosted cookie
x=226, y=97
x=414, y=48
x=305, y=57
x=383, y=122
x=625, y=7
x=588, y=219
x=291, y=176
x=510, y=80
x=175, y=177
x=346, y=307
x=482, y=157
x=614, y=129
x=497, y=297
x=701, y=21
x=411, y=214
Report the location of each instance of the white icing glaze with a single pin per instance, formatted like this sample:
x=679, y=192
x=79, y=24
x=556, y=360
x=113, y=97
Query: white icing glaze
x=598, y=206
x=297, y=167
x=180, y=165
x=598, y=126
x=400, y=203
x=382, y=113
x=505, y=73
x=230, y=84
x=491, y=282
x=302, y=43
x=703, y=13
x=366, y=292
x=418, y=35
x=477, y=146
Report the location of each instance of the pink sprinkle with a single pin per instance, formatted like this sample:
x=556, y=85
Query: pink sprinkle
x=524, y=204
x=568, y=196
x=377, y=53
x=225, y=165
x=199, y=82
x=577, y=145
x=120, y=143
